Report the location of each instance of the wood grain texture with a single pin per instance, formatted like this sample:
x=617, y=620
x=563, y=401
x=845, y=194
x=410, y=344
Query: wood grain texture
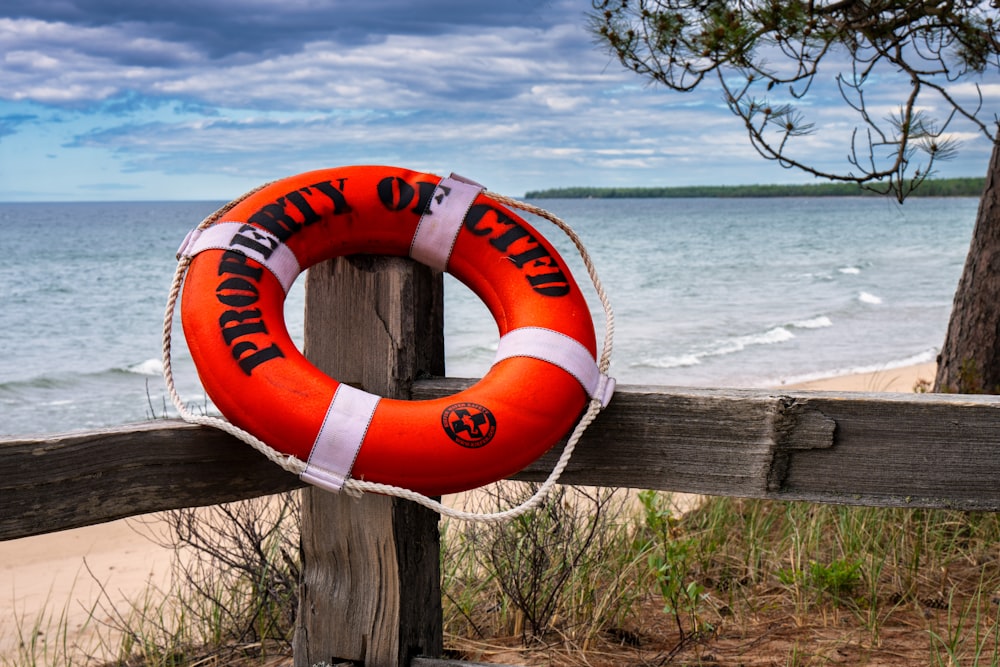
x=895, y=450
x=71, y=480
x=888, y=450
x=371, y=577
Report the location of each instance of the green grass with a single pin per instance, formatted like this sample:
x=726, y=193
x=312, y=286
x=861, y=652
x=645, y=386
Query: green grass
x=732, y=567
x=43, y=638
x=595, y=573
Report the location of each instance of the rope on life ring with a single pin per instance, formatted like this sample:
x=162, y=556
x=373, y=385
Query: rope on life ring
x=238, y=264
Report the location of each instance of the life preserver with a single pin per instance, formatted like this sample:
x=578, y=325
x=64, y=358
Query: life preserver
x=232, y=313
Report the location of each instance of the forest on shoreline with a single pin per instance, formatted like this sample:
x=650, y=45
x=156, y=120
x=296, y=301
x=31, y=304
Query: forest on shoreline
x=942, y=187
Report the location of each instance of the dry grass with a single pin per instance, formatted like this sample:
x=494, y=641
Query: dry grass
x=768, y=583
x=606, y=578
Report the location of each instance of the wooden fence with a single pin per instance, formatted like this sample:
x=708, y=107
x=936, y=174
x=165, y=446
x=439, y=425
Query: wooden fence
x=370, y=593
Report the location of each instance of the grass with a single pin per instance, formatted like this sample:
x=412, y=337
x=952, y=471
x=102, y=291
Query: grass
x=231, y=601
x=752, y=582
x=538, y=575
x=42, y=639
x=598, y=577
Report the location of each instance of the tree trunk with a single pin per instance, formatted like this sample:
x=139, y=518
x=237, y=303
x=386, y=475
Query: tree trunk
x=969, y=362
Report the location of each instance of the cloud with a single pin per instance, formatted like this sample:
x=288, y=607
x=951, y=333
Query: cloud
x=301, y=55
x=219, y=30
x=10, y=123
x=230, y=92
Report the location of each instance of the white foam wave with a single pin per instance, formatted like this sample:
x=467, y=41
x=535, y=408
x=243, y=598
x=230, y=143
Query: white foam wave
x=724, y=347
x=913, y=360
x=849, y=270
x=148, y=367
x=769, y=337
x=820, y=322
x=919, y=358
x=679, y=361
x=868, y=297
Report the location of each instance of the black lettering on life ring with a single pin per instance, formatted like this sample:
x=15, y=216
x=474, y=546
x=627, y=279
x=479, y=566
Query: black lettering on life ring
x=396, y=194
x=520, y=247
x=241, y=326
x=301, y=208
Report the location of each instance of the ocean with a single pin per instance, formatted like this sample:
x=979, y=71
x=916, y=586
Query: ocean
x=706, y=292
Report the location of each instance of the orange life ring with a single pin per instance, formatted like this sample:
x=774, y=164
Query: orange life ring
x=232, y=312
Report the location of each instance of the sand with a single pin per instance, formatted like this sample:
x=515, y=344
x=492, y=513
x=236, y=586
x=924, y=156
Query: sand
x=45, y=577
x=48, y=578
x=892, y=380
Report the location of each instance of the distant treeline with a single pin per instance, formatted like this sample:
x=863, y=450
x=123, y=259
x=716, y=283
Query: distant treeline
x=942, y=187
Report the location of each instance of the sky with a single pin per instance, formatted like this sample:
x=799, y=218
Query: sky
x=205, y=99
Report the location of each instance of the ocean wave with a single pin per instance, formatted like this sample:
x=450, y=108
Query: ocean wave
x=680, y=361
x=819, y=322
x=148, y=367
x=40, y=382
x=849, y=270
x=722, y=347
x=769, y=337
x=60, y=401
x=44, y=382
x=69, y=379
x=868, y=297
x=919, y=358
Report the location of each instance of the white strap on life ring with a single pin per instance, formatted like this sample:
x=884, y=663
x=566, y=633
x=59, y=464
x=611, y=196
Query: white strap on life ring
x=351, y=410
x=282, y=269
x=442, y=220
x=339, y=439
x=253, y=242
x=563, y=351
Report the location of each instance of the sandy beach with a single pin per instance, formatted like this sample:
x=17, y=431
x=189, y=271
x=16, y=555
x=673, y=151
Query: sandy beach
x=55, y=581
x=901, y=380
x=47, y=577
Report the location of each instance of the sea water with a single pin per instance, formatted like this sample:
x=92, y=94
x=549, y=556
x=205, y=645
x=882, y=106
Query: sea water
x=706, y=292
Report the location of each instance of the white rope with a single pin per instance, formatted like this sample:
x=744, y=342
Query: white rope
x=609, y=316
x=356, y=487
x=289, y=463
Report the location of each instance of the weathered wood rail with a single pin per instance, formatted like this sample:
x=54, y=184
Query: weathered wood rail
x=371, y=581
x=901, y=450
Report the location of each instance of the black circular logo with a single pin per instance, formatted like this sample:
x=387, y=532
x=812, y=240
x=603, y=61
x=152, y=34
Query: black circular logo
x=469, y=424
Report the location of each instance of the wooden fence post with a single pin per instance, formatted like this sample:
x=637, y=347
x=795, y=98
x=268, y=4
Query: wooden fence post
x=371, y=566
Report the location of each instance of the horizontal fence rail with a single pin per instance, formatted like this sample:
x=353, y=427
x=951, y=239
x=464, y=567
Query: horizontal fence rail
x=898, y=450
